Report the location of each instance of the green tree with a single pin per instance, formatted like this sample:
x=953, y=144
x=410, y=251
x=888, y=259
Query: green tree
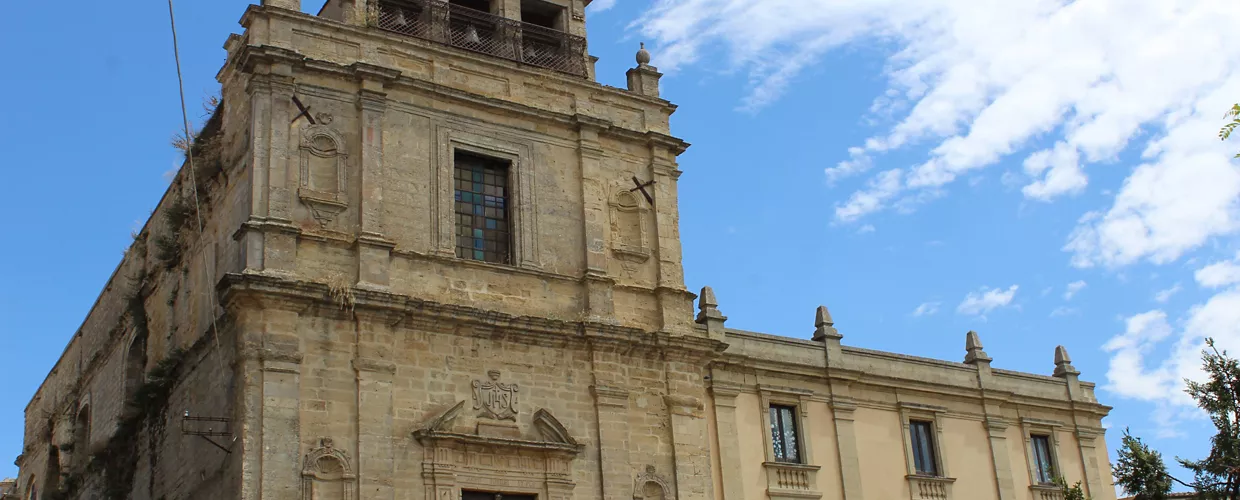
x=1217, y=477
x=1073, y=492
x=1234, y=115
x=1140, y=471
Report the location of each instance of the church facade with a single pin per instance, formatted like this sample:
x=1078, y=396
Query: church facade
x=420, y=254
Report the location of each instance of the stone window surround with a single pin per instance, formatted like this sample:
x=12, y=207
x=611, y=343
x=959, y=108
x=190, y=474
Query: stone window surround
x=923, y=413
x=786, y=396
x=940, y=484
x=1049, y=428
x=788, y=480
x=521, y=178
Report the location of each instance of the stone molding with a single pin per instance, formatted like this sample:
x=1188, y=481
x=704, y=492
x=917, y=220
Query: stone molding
x=522, y=173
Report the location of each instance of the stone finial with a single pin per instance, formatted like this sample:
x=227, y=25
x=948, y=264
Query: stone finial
x=644, y=79
x=824, y=326
x=709, y=315
x=973, y=346
x=823, y=317
x=1063, y=363
x=643, y=55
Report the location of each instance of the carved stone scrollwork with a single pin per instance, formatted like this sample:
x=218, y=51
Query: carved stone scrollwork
x=496, y=399
x=324, y=178
x=651, y=486
x=326, y=474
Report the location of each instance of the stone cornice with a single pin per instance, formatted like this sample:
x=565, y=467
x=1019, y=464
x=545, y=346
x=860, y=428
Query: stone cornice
x=295, y=293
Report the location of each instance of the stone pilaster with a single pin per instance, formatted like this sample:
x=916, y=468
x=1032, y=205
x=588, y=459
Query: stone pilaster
x=1086, y=439
x=280, y=359
x=729, y=445
x=594, y=213
x=268, y=236
x=375, y=371
x=844, y=412
x=612, y=405
x=690, y=436
x=374, y=250
x=996, y=431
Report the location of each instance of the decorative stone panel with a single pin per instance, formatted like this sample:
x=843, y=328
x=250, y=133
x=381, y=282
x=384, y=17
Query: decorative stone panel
x=930, y=488
x=326, y=474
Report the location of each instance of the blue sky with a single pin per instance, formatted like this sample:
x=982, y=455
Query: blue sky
x=1041, y=172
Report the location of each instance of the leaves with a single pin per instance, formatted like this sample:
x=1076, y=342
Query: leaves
x=1140, y=471
x=1073, y=492
x=1234, y=115
x=1218, y=475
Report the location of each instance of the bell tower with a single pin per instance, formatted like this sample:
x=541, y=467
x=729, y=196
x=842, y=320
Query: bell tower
x=458, y=151
x=439, y=207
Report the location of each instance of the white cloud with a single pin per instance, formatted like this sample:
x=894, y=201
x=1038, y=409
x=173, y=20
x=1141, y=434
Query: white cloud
x=1134, y=375
x=868, y=228
x=1061, y=173
x=1064, y=311
x=977, y=82
x=1219, y=274
x=1073, y=288
x=1162, y=296
x=881, y=189
x=986, y=300
x=926, y=309
x=601, y=5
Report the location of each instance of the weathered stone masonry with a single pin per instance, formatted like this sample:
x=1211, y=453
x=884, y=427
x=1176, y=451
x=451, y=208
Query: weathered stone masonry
x=319, y=337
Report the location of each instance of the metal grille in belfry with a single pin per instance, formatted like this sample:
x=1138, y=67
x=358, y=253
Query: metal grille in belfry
x=482, y=32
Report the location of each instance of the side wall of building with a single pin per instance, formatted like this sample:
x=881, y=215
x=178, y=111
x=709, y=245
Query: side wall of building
x=854, y=419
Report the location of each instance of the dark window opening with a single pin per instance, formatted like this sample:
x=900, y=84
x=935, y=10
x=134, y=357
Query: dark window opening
x=1045, y=467
x=481, y=5
x=483, y=495
x=135, y=365
x=545, y=14
x=785, y=438
x=81, y=436
x=924, y=460
x=482, y=208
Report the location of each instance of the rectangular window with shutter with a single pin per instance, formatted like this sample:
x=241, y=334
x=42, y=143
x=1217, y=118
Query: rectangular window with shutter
x=785, y=437
x=925, y=461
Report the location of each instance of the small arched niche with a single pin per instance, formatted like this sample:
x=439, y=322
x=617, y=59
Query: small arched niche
x=628, y=227
x=324, y=179
x=326, y=474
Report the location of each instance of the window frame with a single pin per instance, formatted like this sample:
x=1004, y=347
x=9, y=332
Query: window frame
x=1045, y=428
x=523, y=248
x=932, y=415
x=922, y=432
x=775, y=414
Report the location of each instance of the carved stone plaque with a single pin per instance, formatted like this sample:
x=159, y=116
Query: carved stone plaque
x=496, y=399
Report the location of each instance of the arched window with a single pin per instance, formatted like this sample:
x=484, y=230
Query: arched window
x=32, y=491
x=135, y=365
x=81, y=436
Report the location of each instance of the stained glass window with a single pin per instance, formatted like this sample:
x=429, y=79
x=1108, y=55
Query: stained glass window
x=482, y=222
x=784, y=437
x=924, y=461
x=1042, y=458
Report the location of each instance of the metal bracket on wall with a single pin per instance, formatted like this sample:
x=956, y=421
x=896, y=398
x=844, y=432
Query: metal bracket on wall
x=208, y=428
